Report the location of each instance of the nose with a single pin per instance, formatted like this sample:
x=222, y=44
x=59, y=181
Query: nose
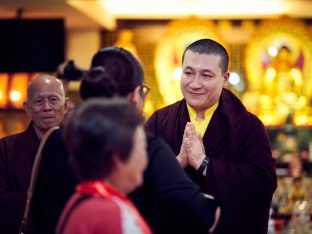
x=46, y=105
x=195, y=82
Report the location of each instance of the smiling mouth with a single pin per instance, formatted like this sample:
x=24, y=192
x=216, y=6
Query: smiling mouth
x=195, y=94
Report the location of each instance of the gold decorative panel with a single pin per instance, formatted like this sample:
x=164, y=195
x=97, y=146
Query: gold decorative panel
x=279, y=72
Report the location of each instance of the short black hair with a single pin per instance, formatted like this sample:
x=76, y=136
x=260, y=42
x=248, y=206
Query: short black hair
x=208, y=46
x=120, y=65
x=99, y=130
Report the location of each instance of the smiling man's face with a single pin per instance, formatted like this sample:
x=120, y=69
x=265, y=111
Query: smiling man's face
x=202, y=80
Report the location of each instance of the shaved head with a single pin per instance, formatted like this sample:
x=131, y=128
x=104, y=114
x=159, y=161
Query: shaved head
x=46, y=104
x=42, y=82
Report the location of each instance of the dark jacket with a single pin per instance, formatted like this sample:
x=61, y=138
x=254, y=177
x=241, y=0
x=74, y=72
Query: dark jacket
x=168, y=199
x=241, y=173
x=17, y=153
x=55, y=184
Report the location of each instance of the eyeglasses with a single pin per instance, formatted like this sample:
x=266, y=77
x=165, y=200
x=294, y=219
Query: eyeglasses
x=144, y=90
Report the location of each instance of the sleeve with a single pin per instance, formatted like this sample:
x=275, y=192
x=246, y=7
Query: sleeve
x=11, y=203
x=174, y=197
x=151, y=124
x=246, y=183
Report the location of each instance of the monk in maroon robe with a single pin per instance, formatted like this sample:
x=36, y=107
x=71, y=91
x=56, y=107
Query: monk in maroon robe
x=46, y=106
x=232, y=161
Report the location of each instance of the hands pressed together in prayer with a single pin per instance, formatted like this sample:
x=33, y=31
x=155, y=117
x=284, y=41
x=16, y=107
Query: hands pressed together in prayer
x=192, y=150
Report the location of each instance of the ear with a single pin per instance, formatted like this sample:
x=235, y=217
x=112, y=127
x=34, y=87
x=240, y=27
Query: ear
x=118, y=165
x=135, y=96
x=69, y=105
x=27, y=110
x=226, y=77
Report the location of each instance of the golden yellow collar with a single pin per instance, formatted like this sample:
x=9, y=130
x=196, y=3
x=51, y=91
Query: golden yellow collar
x=202, y=125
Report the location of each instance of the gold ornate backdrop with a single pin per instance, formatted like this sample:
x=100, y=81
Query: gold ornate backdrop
x=159, y=45
x=270, y=106
x=160, y=49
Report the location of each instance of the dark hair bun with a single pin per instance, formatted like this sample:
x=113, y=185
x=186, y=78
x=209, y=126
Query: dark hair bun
x=97, y=83
x=122, y=66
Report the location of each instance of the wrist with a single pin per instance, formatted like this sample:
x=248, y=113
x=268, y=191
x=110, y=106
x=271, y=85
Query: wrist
x=203, y=167
x=196, y=164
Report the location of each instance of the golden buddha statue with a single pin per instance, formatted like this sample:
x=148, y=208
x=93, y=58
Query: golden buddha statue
x=297, y=191
x=282, y=84
x=125, y=40
x=282, y=79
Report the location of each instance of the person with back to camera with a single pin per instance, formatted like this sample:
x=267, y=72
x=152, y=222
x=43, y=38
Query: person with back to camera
x=46, y=107
x=107, y=143
x=223, y=148
x=168, y=200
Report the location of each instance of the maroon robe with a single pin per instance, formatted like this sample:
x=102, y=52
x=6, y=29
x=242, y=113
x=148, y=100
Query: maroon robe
x=17, y=153
x=241, y=172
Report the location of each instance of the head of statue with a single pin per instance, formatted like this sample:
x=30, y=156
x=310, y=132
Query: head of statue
x=284, y=53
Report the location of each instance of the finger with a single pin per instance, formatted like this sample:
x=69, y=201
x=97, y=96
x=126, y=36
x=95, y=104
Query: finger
x=188, y=132
x=183, y=148
x=188, y=143
x=184, y=133
x=193, y=130
x=189, y=129
x=201, y=141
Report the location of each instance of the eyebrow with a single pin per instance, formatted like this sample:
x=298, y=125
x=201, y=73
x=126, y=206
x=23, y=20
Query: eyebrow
x=202, y=70
x=49, y=96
